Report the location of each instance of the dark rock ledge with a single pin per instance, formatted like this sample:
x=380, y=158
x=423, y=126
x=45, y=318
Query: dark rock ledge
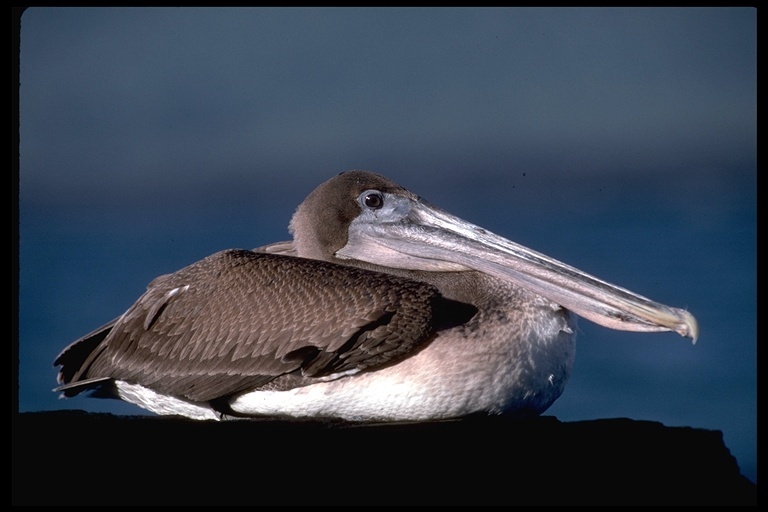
x=76, y=458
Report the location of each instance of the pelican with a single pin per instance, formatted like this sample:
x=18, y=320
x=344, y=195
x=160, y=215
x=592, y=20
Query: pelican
x=382, y=308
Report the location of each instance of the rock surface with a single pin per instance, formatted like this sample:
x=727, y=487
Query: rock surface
x=77, y=458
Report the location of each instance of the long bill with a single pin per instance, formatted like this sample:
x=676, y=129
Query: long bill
x=418, y=236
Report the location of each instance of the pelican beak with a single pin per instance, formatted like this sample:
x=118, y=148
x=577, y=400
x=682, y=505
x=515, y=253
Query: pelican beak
x=411, y=234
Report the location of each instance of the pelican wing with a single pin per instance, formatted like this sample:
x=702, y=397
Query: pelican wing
x=238, y=319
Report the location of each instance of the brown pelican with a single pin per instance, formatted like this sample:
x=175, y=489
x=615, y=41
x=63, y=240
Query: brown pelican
x=382, y=308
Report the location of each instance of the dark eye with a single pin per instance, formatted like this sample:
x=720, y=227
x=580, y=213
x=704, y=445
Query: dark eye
x=373, y=200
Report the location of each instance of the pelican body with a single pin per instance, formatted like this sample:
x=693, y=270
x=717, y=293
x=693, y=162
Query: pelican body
x=382, y=308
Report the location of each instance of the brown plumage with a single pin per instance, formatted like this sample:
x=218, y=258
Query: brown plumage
x=238, y=319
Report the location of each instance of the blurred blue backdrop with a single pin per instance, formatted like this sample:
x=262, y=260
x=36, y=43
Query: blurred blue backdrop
x=619, y=140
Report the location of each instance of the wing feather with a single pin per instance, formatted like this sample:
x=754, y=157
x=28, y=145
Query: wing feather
x=238, y=319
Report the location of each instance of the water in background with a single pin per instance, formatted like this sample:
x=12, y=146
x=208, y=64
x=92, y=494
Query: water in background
x=79, y=270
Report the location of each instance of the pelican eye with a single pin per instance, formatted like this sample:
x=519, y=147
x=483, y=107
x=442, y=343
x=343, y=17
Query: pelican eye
x=373, y=200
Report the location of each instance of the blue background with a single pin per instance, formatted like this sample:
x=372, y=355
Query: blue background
x=619, y=140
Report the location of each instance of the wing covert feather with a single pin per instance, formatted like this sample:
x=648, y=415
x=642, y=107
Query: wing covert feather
x=237, y=319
